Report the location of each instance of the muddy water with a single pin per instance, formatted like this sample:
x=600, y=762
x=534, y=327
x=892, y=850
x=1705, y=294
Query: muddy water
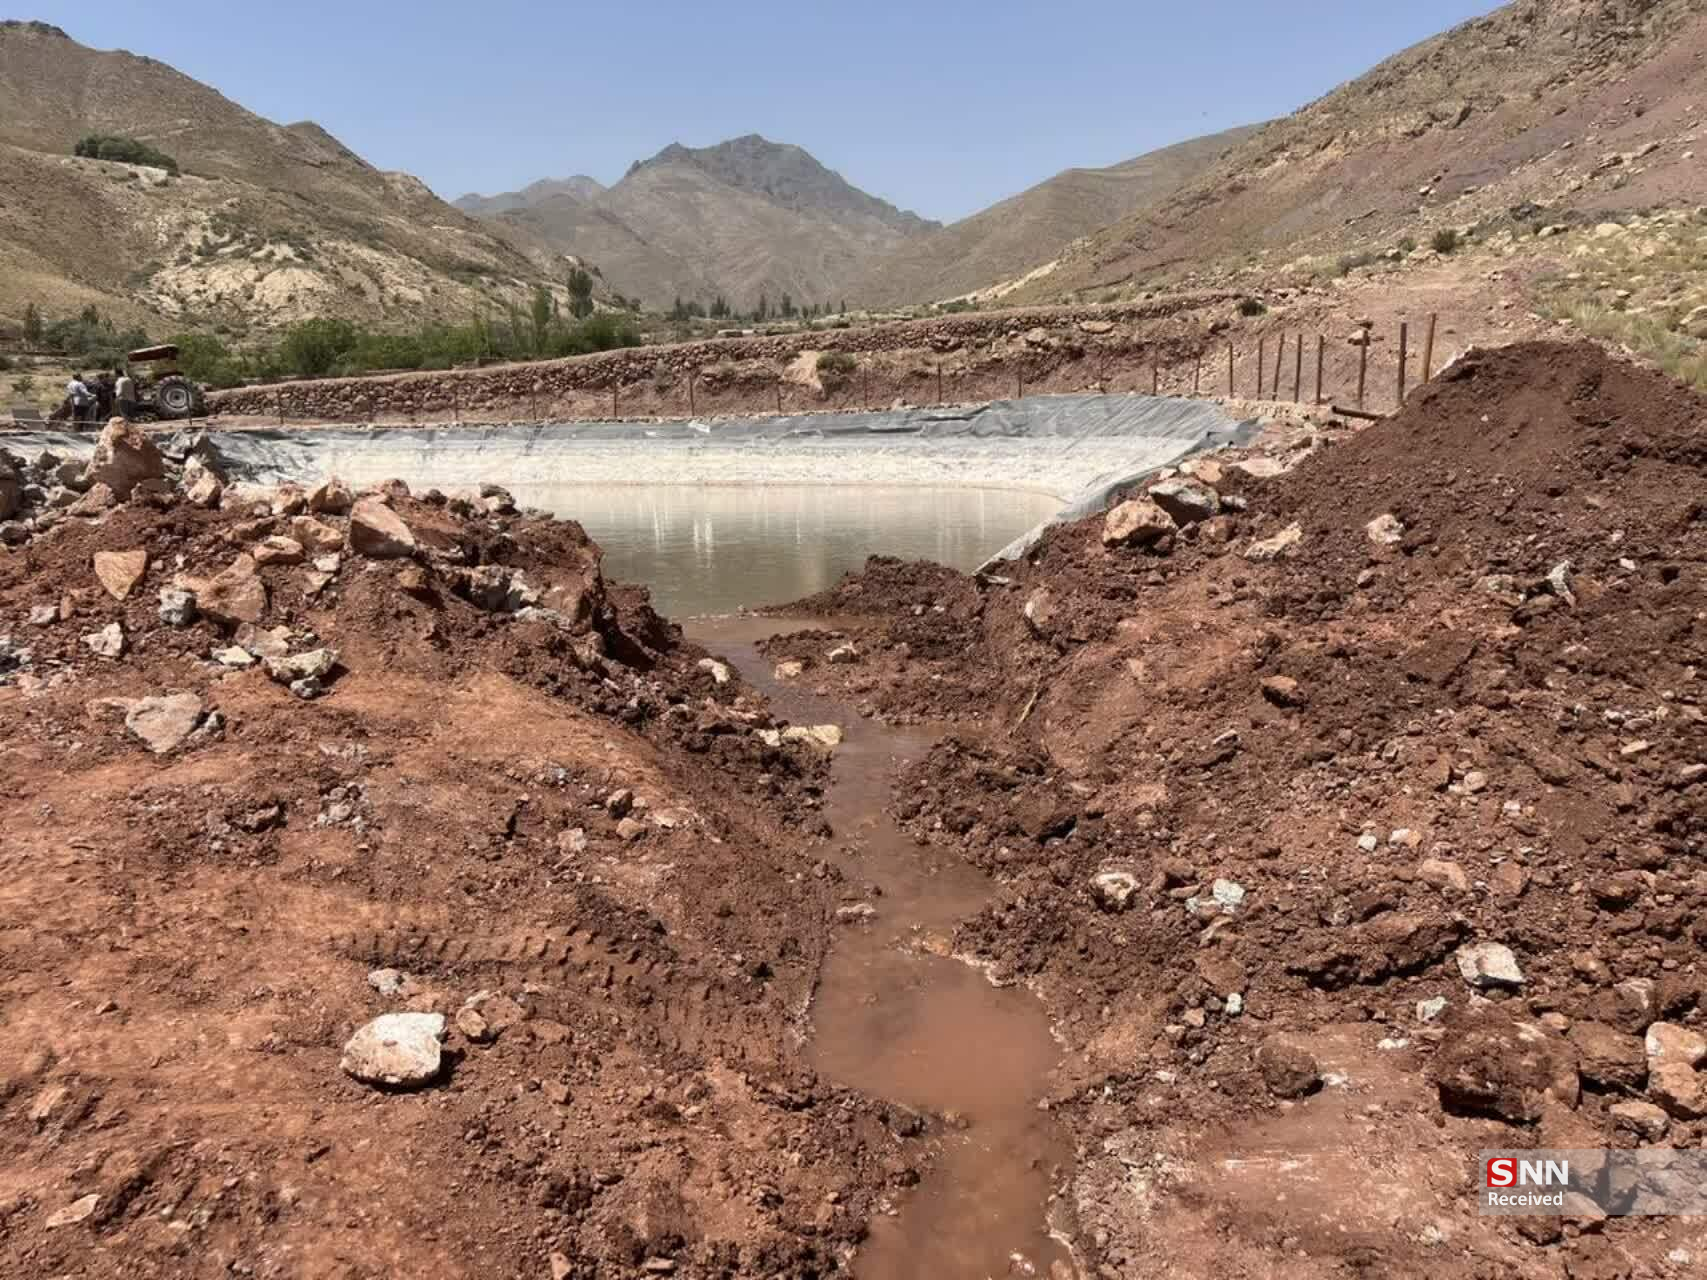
x=896, y=1018
x=713, y=549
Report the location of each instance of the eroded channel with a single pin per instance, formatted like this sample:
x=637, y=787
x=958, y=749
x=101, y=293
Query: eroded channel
x=898, y=1018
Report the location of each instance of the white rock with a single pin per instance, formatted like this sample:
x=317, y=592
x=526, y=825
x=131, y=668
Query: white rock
x=163, y=723
x=1385, y=530
x=1277, y=547
x=719, y=671
x=1114, y=889
x=1489, y=964
x=108, y=642
x=401, y=1050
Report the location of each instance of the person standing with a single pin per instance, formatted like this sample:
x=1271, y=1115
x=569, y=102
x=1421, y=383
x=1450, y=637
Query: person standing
x=124, y=391
x=77, y=391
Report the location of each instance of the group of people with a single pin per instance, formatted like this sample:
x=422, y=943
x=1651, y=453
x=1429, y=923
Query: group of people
x=94, y=399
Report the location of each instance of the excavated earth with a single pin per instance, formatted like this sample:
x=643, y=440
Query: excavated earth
x=516, y=789
x=1256, y=818
x=1345, y=823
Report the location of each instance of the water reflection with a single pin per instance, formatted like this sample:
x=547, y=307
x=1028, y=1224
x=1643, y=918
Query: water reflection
x=712, y=549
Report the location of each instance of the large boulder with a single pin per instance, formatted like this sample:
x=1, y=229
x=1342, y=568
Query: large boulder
x=1491, y=1063
x=1137, y=522
x=124, y=457
x=1610, y=1058
x=378, y=532
x=1288, y=1067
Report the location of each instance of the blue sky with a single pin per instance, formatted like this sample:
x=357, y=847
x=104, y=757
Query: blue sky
x=943, y=106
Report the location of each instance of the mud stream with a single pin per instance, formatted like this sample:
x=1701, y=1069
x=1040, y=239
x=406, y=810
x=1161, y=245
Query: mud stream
x=899, y=1019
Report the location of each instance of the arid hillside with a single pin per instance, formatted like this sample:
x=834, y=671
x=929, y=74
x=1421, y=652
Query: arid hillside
x=1027, y=230
x=1540, y=112
x=743, y=218
x=264, y=224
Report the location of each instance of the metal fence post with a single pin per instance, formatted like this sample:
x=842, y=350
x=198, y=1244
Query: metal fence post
x=1403, y=332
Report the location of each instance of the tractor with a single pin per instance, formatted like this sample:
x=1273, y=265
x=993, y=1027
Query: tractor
x=163, y=392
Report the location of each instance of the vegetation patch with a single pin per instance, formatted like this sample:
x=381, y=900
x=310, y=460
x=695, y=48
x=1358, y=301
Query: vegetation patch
x=113, y=146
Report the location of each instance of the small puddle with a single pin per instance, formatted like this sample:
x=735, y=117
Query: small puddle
x=898, y=1020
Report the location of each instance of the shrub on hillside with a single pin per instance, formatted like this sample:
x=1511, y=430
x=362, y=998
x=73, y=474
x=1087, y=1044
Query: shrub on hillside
x=1445, y=240
x=834, y=365
x=112, y=146
x=1252, y=307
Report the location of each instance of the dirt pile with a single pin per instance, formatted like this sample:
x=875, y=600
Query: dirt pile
x=1349, y=830
x=277, y=764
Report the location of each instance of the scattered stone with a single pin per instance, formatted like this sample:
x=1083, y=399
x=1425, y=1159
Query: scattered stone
x=77, y=1211
x=1185, y=502
x=235, y=595
x=1559, y=582
x=316, y=537
x=234, y=656
x=1608, y=1057
x=378, y=532
x=1509, y=880
x=331, y=498
x=308, y=688
x=1431, y=1009
x=1113, y=890
x=44, y=615
x=124, y=457
x=1228, y=895
x=1039, y=612
x=1367, y=842
x=619, y=802
x=1643, y=1119
x=1404, y=838
x=99, y=498
x=630, y=830
x=400, y=1050
x=388, y=982
x=108, y=642
x=825, y=737
x=120, y=571
x=201, y=487
x=718, y=671
x=789, y=669
x=473, y=1025
x=1386, y=530
x=1283, y=691
x=1667, y=1042
x=1277, y=547
x=328, y=563
x=572, y=841
x=316, y=664
x=279, y=550
x=271, y=642
x=1439, y=873
x=856, y=913
x=1288, y=1067
x=177, y=606
x=1486, y=965
x=1490, y=1063
x=1475, y=782
x=1679, y=1089
x=1137, y=522
x=164, y=722
x=842, y=654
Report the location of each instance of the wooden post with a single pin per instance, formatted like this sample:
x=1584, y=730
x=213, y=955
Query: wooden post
x=1229, y=369
x=1321, y=347
x=1155, y=380
x=456, y=398
x=1362, y=364
x=779, y=395
x=865, y=379
x=1428, y=349
x=1279, y=361
x=613, y=409
x=1403, y=332
x=1019, y=382
x=1196, y=372
x=278, y=402
x=1297, y=369
x=1262, y=359
x=692, y=412
x=939, y=381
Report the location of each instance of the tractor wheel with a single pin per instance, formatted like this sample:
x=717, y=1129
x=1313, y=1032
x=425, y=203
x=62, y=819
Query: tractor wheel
x=176, y=397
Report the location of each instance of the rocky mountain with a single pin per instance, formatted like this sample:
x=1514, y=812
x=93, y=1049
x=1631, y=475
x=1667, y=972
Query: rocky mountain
x=264, y=224
x=1027, y=230
x=1542, y=111
x=580, y=186
x=743, y=218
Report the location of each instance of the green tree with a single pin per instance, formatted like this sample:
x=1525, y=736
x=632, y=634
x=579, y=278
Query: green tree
x=787, y=307
x=313, y=348
x=540, y=318
x=580, y=294
x=762, y=312
x=32, y=322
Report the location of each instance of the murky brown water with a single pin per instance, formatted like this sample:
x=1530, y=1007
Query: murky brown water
x=707, y=549
x=895, y=1020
